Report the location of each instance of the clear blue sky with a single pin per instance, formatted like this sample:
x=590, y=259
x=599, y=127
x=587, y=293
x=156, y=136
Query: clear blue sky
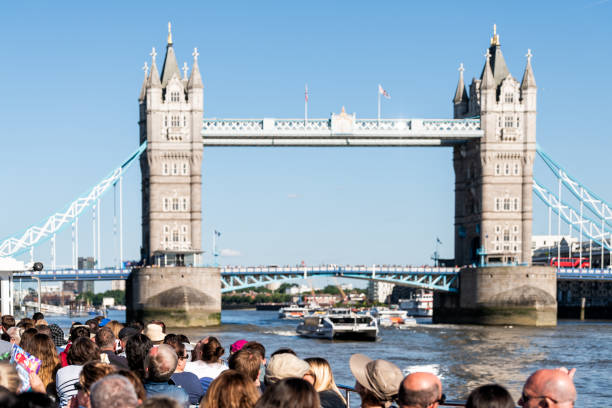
x=71, y=77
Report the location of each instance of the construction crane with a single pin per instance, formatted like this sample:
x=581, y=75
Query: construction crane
x=344, y=297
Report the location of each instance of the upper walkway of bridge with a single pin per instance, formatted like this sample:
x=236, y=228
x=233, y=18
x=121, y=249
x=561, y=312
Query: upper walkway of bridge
x=341, y=130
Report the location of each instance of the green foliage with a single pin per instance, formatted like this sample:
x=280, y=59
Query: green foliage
x=331, y=290
x=96, y=299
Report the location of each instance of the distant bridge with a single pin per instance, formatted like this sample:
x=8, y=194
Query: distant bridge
x=444, y=279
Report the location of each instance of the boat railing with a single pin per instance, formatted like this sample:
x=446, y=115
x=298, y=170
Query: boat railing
x=348, y=390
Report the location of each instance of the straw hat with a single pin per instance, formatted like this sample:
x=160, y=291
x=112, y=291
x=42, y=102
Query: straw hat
x=154, y=332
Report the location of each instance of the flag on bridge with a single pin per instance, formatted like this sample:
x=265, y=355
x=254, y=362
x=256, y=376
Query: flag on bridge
x=438, y=241
x=383, y=92
x=217, y=233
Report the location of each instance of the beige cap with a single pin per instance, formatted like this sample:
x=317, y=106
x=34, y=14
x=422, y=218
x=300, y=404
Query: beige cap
x=285, y=365
x=154, y=332
x=382, y=378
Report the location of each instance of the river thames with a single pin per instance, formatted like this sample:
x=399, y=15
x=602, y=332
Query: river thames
x=463, y=356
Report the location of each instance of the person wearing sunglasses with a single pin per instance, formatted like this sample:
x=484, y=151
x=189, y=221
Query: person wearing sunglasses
x=549, y=388
x=421, y=390
x=188, y=381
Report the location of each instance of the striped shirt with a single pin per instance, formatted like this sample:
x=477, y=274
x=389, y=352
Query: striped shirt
x=65, y=380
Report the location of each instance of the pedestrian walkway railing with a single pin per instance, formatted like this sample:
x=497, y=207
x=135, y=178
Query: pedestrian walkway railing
x=348, y=391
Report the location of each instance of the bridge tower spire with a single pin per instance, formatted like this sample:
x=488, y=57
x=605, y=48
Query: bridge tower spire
x=493, y=176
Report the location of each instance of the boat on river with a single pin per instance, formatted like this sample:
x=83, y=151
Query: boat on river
x=339, y=324
x=392, y=317
x=293, y=312
x=419, y=305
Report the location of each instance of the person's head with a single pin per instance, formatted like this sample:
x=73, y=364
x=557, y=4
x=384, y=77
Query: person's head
x=289, y=393
x=182, y=355
x=26, y=321
x=182, y=338
x=287, y=365
x=114, y=391
x=26, y=337
x=420, y=390
x=44, y=329
x=160, y=363
x=105, y=339
x=212, y=350
x=256, y=347
x=93, y=325
x=14, y=334
x=82, y=351
x=79, y=331
x=35, y=400
x=38, y=316
x=377, y=381
x=8, y=321
x=247, y=362
x=138, y=387
x=155, y=333
x=160, y=401
x=126, y=333
x=324, y=378
x=136, y=350
x=283, y=350
x=115, y=327
x=231, y=389
x=490, y=396
x=9, y=378
x=91, y=372
x=57, y=335
x=171, y=339
x=43, y=348
x=548, y=388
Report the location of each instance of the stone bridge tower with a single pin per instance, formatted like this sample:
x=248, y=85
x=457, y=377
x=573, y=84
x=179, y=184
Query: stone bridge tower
x=493, y=176
x=171, y=112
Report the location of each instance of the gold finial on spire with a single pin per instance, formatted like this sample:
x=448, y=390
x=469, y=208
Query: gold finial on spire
x=169, y=33
x=495, y=38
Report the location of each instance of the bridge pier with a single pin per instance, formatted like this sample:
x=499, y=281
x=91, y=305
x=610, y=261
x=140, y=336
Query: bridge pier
x=179, y=296
x=501, y=295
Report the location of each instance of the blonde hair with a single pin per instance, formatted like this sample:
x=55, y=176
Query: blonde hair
x=324, y=378
x=115, y=327
x=9, y=378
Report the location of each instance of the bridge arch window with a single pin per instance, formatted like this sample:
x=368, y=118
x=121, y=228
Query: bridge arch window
x=165, y=169
x=166, y=204
x=185, y=168
x=506, y=235
x=497, y=169
x=174, y=96
x=184, y=203
x=509, y=97
x=184, y=121
x=518, y=121
x=175, y=235
x=506, y=204
x=166, y=229
x=497, y=204
x=509, y=122
x=165, y=121
x=175, y=121
x=507, y=169
x=497, y=229
x=516, y=204
x=175, y=204
x=516, y=169
x=174, y=169
x=515, y=229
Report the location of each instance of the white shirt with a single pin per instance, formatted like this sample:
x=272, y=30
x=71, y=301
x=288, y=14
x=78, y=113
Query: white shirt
x=205, y=370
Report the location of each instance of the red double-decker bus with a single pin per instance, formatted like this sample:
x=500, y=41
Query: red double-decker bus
x=570, y=262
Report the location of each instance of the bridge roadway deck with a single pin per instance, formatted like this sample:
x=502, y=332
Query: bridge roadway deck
x=340, y=130
x=235, y=278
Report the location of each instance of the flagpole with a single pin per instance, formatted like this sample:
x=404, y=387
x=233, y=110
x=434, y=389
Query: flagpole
x=379, y=86
x=306, y=105
x=214, y=247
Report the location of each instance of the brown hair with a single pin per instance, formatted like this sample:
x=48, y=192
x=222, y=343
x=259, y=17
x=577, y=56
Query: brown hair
x=92, y=372
x=82, y=351
x=8, y=321
x=289, y=393
x=256, y=347
x=231, y=389
x=247, y=362
x=26, y=337
x=43, y=348
x=135, y=380
x=212, y=350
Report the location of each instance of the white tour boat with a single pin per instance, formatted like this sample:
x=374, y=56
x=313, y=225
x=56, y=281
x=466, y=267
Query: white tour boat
x=339, y=324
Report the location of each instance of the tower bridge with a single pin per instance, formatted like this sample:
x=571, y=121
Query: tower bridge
x=493, y=137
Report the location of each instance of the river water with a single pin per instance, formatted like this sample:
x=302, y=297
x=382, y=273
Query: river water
x=463, y=356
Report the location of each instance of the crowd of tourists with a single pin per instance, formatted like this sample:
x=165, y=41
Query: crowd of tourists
x=106, y=364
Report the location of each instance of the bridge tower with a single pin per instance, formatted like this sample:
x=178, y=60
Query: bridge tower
x=171, y=286
x=493, y=176
x=171, y=113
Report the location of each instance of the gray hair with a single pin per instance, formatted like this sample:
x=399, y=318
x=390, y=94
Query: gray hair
x=113, y=391
x=160, y=363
